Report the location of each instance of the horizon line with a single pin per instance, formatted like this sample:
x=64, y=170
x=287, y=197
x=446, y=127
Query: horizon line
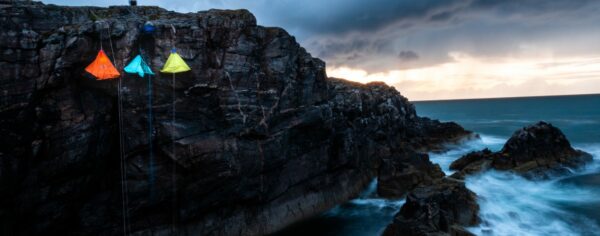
x=499, y=98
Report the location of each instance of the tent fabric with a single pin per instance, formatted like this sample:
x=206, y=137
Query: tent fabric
x=175, y=64
x=102, y=68
x=138, y=66
x=149, y=28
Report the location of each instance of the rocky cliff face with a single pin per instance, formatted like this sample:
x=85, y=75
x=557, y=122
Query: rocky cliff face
x=262, y=137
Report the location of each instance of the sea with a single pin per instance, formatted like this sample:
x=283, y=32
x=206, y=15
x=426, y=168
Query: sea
x=509, y=204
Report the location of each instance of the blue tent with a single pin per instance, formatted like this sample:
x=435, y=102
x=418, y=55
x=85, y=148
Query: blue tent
x=149, y=28
x=138, y=66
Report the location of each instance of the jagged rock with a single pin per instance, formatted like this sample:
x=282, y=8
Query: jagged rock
x=404, y=171
x=473, y=162
x=535, y=151
x=439, y=209
x=438, y=135
x=262, y=137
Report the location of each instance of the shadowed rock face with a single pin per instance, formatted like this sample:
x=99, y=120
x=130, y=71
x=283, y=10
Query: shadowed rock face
x=539, y=150
x=262, y=137
x=404, y=171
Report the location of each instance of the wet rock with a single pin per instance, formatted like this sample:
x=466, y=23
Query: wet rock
x=536, y=151
x=439, y=209
x=438, y=136
x=404, y=171
x=262, y=138
x=473, y=162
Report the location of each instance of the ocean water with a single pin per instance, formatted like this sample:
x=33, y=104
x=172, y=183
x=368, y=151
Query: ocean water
x=510, y=205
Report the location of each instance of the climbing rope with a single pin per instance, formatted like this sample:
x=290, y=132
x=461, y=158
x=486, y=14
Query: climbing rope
x=151, y=165
x=124, y=186
x=150, y=137
x=174, y=210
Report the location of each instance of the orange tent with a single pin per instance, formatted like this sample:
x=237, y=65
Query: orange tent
x=102, y=68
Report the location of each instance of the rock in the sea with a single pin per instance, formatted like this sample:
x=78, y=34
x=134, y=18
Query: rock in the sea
x=443, y=208
x=262, y=138
x=438, y=135
x=404, y=171
x=536, y=151
x=473, y=162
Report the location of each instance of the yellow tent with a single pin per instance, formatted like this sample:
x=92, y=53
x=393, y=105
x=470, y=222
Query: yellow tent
x=175, y=64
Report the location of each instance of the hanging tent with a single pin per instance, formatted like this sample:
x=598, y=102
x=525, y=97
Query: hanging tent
x=102, y=68
x=175, y=64
x=148, y=28
x=138, y=66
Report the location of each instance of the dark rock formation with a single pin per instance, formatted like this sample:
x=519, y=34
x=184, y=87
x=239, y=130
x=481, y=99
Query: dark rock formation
x=404, y=171
x=473, y=162
x=439, y=209
x=539, y=150
x=262, y=137
x=439, y=135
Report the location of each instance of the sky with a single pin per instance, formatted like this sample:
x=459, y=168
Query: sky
x=430, y=50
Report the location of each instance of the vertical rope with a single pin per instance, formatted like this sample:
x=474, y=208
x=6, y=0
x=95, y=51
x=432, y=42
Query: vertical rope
x=174, y=170
x=150, y=139
x=151, y=165
x=124, y=187
x=122, y=163
x=101, y=39
x=174, y=210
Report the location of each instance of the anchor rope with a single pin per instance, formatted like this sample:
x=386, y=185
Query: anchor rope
x=151, y=165
x=174, y=170
x=150, y=136
x=174, y=210
x=124, y=186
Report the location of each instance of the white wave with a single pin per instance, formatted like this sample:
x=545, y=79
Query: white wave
x=370, y=191
x=493, y=141
x=511, y=205
x=577, y=121
x=378, y=203
x=368, y=203
x=594, y=149
x=503, y=121
x=446, y=158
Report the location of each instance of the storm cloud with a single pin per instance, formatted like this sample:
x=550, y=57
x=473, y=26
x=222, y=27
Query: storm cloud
x=408, y=56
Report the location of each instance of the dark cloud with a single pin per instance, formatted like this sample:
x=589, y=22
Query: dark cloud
x=478, y=28
x=353, y=57
x=353, y=45
x=408, y=56
x=342, y=16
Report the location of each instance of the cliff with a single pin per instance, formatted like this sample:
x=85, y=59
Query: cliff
x=262, y=137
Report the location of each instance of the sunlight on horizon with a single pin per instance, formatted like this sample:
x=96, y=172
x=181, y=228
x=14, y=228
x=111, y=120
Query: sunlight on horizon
x=466, y=76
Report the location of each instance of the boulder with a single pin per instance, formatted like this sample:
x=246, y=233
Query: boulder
x=443, y=208
x=536, y=151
